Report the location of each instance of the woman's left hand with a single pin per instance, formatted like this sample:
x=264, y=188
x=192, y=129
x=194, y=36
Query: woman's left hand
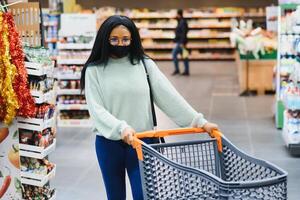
x=209, y=127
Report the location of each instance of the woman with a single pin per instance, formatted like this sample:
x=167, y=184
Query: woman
x=117, y=94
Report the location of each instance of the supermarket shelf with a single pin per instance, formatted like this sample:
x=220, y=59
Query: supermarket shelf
x=211, y=26
x=209, y=46
x=35, y=124
x=74, y=123
x=288, y=137
x=51, y=40
x=68, y=76
x=287, y=55
x=71, y=46
x=40, y=97
x=196, y=57
x=72, y=107
x=69, y=92
x=71, y=61
x=211, y=36
x=190, y=16
x=291, y=33
x=153, y=26
x=256, y=15
x=291, y=102
x=35, y=151
x=196, y=15
x=37, y=179
x=37, y=69
x=50, y=24
x=200, y=36
x=212, y=15
x=190, y=46
x=289, y=6
x=152, y=16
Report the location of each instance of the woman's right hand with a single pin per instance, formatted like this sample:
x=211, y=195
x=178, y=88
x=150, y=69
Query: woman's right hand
x=127, y=135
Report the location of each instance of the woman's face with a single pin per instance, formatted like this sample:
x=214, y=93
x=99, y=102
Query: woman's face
x=120, y=36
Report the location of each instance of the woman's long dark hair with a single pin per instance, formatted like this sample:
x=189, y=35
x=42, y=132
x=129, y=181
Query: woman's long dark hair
x=100, y=52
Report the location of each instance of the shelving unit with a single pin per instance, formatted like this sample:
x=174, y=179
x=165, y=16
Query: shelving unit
x=74, y=49
x=36, y=152
x=288, y=63
x=34, y=179
x=35, y=133
x=208, y=35
x=51, y=27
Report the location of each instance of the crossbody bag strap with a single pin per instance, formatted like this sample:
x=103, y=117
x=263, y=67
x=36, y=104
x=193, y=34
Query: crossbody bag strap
x=151, y=96
x=161, y=139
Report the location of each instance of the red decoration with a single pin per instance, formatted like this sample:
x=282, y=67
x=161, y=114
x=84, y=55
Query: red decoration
x=20, y=84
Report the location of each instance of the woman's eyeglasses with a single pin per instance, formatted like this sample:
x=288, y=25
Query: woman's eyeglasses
x=117, y=41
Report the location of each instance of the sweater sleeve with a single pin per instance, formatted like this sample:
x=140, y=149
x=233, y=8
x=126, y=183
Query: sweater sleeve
x=109, y=126
x=170, y=101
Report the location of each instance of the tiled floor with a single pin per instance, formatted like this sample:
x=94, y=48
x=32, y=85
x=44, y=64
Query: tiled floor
x=211, y=89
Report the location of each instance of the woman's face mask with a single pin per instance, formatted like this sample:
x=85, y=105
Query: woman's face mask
x=119, y=51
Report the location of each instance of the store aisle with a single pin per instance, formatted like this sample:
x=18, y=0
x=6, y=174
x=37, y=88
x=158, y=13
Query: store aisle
x=211, y=89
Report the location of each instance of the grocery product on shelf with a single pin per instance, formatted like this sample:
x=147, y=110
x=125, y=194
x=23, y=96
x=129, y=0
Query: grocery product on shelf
x=36, y=138
x=288, y=77
x=28, y=74
x=51, y=26
x=74, y=50
x=37, y=134
x=71, y=99
x=205, y=24
x=257, y=41
x=74, y=114
x=36, y=166
x=33, y=192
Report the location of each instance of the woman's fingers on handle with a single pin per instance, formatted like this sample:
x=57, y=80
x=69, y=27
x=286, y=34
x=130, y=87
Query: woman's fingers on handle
x=127, y=135
x=209, y=127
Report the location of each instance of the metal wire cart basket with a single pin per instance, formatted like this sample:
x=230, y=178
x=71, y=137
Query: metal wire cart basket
x=207, y=169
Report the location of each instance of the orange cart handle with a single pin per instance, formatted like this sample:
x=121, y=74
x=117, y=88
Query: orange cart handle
x=137, y=143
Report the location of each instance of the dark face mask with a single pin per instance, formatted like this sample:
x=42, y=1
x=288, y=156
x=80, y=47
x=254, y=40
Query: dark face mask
x=119, y=51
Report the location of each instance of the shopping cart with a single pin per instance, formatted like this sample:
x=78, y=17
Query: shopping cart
x=207, y=169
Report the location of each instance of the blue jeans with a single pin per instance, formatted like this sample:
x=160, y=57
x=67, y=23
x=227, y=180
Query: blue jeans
x=178, y=50
x=113, y=158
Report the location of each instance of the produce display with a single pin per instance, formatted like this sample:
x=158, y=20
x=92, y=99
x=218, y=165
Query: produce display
x=36, y=138
x=36, y=166
x=44, y=85
x=44, y=111
x=256, y=41
x=37, y=193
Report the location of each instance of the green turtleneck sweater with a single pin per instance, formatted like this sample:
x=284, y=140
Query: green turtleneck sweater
x=118, y=97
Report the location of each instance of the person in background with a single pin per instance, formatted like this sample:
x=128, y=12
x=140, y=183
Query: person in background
x=118, y=97
x=180, y=47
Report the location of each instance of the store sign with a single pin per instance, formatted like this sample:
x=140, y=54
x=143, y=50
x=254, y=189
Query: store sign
x=10, y=181
x=78, y=24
